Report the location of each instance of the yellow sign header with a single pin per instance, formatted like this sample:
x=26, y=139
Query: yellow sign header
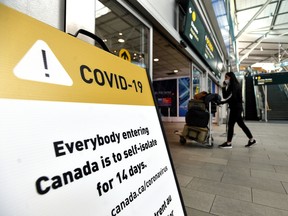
x=39, y=62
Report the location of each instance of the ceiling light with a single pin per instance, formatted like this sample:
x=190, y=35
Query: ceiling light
x=261, y=49
x=105, y=40
x=120, y=33
x=156, y=59
x=121, y=40
x=175, y=71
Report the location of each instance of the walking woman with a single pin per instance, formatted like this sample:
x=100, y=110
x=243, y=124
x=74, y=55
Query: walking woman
x=232, y=95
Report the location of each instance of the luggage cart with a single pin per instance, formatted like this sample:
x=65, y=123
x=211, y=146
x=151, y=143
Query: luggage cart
x=198, y=134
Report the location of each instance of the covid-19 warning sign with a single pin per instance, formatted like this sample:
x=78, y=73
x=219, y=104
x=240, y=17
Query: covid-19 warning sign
x=79, y=130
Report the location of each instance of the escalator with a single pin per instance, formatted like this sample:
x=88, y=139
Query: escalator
x=278, y=103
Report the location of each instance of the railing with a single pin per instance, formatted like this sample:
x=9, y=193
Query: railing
x=259, y=92
x=284, y=88
x=259, y=98
x=243, y=93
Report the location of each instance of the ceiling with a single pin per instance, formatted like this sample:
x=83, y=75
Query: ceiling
x=261, y=34
x=260, y=26
x=170, y=59
x=111, y=22
x=261, y=31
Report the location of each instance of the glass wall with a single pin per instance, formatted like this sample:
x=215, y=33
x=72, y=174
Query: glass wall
x=197, y=77
x=211, y=86
x=124, y=34
x=167, y=92
x=166, y=96
x=183, y=95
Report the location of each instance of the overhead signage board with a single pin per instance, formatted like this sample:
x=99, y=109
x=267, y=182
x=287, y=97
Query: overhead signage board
x=271, y=78
x=79, y=130
x=196, y=34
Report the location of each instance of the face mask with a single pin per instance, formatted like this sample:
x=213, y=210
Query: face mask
x=227, y=81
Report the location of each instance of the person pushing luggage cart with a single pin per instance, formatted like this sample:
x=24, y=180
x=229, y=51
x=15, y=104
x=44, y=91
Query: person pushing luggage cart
x=233, y=96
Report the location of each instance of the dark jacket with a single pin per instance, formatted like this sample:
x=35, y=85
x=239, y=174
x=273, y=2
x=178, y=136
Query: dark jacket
x=235, y=100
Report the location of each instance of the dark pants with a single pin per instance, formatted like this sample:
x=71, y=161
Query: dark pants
x=235, y=116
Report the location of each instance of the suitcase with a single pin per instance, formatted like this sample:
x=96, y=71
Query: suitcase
x=197, y=118
x=195, y=133
x=196, y=105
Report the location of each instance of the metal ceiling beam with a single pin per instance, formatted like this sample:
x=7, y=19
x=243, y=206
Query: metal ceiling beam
x=250, y=44
x=275, y=15
x=263, y=42
x=255, y=6
x=261, y=39
x=247, y=54
x=270, y=26
x=253, y=18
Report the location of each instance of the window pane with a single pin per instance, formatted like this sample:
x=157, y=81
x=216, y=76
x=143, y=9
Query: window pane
x=197, y=80
x=119, y=29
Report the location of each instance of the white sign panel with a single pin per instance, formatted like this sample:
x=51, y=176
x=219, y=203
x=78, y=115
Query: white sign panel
x=107, y=159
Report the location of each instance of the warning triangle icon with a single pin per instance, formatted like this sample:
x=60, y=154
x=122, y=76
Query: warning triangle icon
x=40, y=64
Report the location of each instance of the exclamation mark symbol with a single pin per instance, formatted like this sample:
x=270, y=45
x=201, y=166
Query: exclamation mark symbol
x=45, y=62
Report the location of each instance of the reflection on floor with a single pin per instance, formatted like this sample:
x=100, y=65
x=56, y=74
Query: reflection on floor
x=237, y=181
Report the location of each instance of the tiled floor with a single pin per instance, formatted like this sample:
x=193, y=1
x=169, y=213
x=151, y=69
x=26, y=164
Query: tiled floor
x=237, y=181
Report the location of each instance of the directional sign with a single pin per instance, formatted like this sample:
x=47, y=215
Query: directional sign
x=124, y=54
x=79, y=130
x=271, y=78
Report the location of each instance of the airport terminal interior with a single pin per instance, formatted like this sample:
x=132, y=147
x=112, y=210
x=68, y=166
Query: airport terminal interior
x=185, y=48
